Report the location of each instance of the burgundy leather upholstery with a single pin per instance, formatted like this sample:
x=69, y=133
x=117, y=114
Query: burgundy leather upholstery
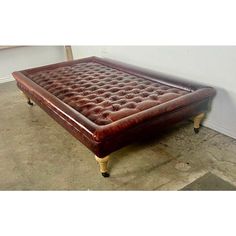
x=106, y=104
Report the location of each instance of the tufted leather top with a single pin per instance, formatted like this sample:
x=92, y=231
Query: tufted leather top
x=104, y=94
x=98, y=100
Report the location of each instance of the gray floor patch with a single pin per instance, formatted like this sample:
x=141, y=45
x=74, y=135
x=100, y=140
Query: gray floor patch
x=210, y=182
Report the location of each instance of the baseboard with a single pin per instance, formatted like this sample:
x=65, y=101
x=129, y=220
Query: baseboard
x=220, y=129
x=6, y=79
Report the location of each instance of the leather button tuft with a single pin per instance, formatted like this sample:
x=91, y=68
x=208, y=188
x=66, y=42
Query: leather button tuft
x=101, y=93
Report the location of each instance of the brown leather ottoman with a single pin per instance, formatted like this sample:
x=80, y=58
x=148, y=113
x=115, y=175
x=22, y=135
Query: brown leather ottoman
x=107, y=105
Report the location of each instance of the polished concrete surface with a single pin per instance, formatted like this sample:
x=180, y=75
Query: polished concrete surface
x=38, y=154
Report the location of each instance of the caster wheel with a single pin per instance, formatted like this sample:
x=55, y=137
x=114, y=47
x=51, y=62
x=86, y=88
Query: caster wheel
x=196, y=130
x=30, y=103
x=105, y=174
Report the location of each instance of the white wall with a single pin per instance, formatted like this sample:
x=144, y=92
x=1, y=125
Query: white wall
x=213, y=65
x=26, y=57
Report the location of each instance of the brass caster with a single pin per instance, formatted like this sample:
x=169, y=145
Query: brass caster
x=196, y=130
x=30, y=103
x=28, y=99
x=105, y=174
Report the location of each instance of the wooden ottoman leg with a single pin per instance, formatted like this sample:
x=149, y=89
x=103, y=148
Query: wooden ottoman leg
x=69, y=53
x=197, y=121
x=28, y=99
x=103, y=165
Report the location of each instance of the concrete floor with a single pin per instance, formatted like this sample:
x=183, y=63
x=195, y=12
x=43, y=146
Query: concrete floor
x=38, y=154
